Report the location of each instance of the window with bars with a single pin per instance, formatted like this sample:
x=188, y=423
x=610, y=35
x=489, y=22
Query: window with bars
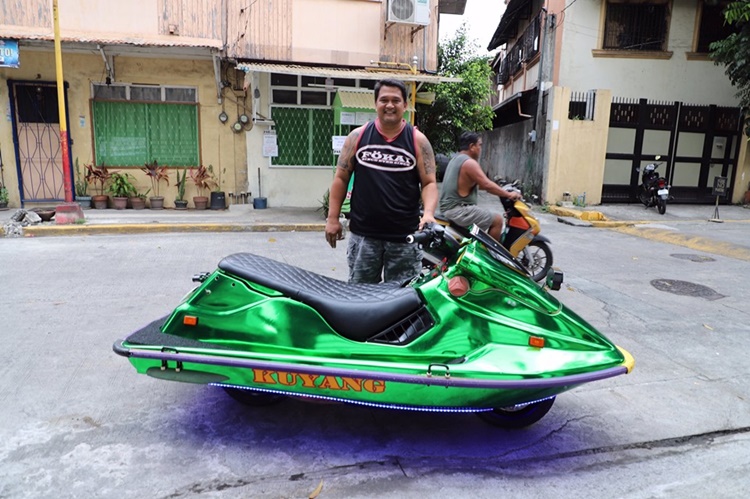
x=636, y=26
x=303, y=136
x=138, y=124
x=304, y=131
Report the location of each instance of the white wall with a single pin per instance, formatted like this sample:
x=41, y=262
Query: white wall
x=674, y=79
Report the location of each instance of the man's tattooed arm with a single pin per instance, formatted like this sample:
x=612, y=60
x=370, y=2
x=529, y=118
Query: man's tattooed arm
x=347, y=152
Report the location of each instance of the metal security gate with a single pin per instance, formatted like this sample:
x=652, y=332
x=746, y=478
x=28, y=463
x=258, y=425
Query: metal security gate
x=696, y=144
x=36, y=139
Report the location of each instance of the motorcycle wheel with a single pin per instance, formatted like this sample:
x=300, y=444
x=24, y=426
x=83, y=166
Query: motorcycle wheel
x=537, y=257
x=504, y=417
x=662, y=206
x=253, y=397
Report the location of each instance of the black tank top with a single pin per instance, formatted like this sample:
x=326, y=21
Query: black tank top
x=386, y=191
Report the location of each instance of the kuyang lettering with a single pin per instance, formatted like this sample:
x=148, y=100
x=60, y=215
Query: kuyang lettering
x=303, y=380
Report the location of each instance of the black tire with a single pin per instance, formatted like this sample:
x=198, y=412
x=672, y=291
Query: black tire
x=253, y=398
x=517, y=418
x=662, y=206
x=537, y=258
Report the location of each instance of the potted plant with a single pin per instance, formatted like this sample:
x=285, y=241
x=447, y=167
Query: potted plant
x=82, y=189
x=156, y=173
x=180, y=203
x=3, y=197
x=204, y=182
x=98, y=176
x=138, y=200
x=121, y=188
x=218, y=198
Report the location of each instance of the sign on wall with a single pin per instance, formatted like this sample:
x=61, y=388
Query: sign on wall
x=8, y=53
x=270, y=146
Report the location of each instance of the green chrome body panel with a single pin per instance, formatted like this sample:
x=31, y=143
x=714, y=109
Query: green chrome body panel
x=481, y=336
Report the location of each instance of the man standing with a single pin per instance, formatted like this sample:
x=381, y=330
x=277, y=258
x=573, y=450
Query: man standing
x=393, y=162
x=458, y=196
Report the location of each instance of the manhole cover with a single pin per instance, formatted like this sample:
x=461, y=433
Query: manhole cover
x=693, y=258
x=686, y=289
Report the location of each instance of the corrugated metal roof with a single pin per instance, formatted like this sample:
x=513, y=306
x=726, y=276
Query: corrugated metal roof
x=362, y=73
x=21, y=33
x=357, y=100
x=360, y=99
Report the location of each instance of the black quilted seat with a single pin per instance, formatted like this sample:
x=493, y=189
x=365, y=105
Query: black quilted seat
x=356, y=311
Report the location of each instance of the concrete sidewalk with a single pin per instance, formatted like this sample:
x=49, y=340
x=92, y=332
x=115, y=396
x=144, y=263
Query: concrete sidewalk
x=237, y=218
x=244, y=218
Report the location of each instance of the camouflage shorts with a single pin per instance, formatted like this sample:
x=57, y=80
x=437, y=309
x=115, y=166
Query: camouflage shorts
x=372, y=260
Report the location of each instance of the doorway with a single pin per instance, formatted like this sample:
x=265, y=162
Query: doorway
x=36, y=139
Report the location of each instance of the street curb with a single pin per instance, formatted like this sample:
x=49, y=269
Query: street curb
x=590, y=216
x=150, y=228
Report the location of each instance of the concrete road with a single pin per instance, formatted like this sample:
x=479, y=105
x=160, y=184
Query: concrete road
x=77, y=421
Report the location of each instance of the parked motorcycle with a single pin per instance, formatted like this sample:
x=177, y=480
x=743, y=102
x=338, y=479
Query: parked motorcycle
x=472, y=335
x=654, y=190
x=521, y=237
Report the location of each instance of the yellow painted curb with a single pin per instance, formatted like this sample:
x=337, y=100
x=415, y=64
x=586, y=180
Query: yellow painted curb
x=84, y=229
x=588, y=215
x=564, y=212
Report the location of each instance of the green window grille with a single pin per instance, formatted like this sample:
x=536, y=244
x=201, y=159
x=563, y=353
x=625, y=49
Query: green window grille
x=135, y=133
x=303, y=136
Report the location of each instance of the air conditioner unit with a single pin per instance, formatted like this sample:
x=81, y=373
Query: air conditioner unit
x=409, y=11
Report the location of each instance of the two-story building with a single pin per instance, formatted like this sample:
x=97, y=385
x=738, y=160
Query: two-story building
x=591, y=91
x=256, y=90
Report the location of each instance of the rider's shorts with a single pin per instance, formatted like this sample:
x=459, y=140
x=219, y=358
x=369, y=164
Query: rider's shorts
x=469, y=215
x=372, y=260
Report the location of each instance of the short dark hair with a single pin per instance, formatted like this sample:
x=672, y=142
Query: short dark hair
x=389, y=82
x=467, y=139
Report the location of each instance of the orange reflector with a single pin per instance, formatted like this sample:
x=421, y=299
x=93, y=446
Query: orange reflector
x=190, y=320
x=536, y=341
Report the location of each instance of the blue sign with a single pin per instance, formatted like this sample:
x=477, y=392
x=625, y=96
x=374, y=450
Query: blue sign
x=8, y=54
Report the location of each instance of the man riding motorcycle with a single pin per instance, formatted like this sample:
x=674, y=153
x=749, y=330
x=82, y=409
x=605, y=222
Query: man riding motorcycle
x=458, y=195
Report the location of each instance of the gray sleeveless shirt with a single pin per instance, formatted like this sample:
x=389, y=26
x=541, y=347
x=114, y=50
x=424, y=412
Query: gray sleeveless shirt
x=449, y=197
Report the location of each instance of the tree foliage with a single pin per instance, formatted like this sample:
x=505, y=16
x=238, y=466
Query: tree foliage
x=458, y=106
x=734, y=51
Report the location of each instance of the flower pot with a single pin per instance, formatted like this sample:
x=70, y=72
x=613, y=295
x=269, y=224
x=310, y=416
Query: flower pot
x=120, y=203
x=180, y=204
x=260, y=203
x=100, y=201
x=138, y=203
x=200, y=202
x=84, y=202
x=3, y=205
x=156, y=202
x=218, y=201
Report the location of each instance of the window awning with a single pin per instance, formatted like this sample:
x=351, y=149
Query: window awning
x=362, y=74
x=360, y=99
x=516, y=9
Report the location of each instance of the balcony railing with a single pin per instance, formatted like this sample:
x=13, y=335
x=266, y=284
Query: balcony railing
x=525, y=48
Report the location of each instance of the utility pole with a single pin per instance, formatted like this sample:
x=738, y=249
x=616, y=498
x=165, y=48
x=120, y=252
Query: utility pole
x=69, y=212
x=61, y=107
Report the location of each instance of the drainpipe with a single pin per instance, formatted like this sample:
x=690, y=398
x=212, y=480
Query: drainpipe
x=110, y=73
